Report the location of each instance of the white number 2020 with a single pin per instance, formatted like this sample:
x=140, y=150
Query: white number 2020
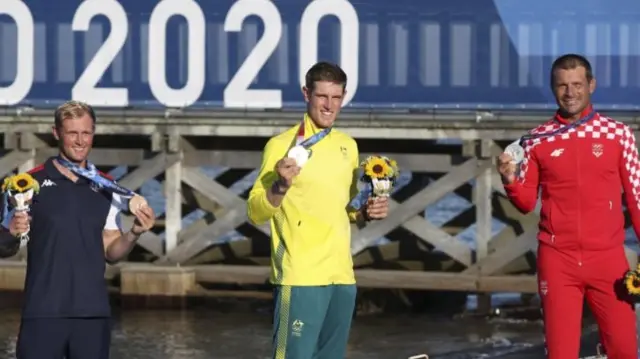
x=237, y=92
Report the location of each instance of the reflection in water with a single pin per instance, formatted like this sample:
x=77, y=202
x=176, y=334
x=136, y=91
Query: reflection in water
x=206, y=334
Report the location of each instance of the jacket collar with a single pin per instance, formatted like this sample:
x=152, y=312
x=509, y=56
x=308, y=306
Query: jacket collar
x=565, y=121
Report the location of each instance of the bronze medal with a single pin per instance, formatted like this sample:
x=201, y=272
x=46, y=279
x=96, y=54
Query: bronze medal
x=136, y=202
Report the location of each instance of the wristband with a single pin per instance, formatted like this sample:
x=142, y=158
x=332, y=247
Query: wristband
x=279, y=187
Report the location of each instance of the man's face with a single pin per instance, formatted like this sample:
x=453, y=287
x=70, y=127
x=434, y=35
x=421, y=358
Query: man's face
x=324, y=102
x=75, y=138
x=572, y=90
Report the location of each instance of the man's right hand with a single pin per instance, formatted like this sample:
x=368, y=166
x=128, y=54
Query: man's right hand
x=506, y=168
x=19, y=223
x=287, y=170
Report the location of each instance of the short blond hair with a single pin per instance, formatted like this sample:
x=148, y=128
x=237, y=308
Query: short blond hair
x=72, y=109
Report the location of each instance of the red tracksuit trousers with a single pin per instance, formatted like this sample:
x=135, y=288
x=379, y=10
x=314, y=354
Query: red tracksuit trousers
x=565, y=279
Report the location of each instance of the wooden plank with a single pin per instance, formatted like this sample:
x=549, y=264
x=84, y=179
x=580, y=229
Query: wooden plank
x=234, y=217
x=102, y=156
x=376, y=278
x=484, y=216
x=28, y=164
x=173, y=206
x=218, y=193
x=211, y=189
x=418, y=202
x=253, y=159
x=12, y=160
x=189, y=248
x=433, y=235
x=505, y=255
x=366, y=278
x=147, y=170
x=223, y=251
x=383, y=252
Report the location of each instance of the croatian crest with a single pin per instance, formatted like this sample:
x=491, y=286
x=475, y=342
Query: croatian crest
x=597, y=149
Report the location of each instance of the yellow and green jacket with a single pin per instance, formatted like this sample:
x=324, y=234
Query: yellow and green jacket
x=310, y=230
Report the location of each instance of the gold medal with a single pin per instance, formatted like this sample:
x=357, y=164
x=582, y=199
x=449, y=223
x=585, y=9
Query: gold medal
x=136, y=202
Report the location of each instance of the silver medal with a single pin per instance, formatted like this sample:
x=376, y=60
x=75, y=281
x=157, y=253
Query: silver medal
x=515, y=151
x=300, y=154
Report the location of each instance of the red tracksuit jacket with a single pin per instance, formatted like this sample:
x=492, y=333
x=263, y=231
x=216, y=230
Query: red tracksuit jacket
x=580, y=173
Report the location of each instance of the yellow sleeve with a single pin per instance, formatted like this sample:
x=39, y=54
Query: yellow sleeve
x=259, y=209
x=353, y=192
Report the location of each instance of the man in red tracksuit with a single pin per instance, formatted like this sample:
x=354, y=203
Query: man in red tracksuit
x=581, y=171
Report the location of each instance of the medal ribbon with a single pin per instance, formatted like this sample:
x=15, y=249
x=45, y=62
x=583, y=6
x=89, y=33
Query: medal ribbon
x=300, y=141
x=91, y=173
x=575, y=124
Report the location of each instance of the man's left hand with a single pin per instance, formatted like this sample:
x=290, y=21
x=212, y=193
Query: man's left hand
x=377, y=208
x=145, y=220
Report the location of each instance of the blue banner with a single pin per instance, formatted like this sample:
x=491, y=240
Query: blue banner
x=252, y=53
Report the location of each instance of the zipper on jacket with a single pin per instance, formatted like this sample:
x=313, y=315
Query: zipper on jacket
x=579, y=236
x=550, y=214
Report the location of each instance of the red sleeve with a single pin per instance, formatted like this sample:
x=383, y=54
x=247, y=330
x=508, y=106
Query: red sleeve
x=630, y=176
x=523, y=192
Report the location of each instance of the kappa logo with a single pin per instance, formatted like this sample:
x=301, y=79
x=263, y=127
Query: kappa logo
x=597, y=149
x=48, y=183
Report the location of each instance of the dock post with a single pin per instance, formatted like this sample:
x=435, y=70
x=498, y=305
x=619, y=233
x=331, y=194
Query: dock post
x=156, y=286
x=482, y=198
x=173, y=195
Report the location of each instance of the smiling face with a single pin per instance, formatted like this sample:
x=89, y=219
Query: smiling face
x=572, y=89
x=324, y=92
x=324, y=101
x=74, y=131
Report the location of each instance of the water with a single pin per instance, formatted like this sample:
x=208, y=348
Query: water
x=206, y=334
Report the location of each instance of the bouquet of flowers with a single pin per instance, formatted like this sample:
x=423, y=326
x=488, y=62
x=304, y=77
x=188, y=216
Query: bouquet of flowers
x=632, y=282
x=380, y=173
x=20, y=190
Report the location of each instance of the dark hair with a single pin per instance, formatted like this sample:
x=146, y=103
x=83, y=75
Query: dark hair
x=569, y=62
x=72, y=109
x=325, y=71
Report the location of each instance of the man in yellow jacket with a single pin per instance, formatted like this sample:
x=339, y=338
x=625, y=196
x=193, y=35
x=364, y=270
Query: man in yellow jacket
x=307, y=179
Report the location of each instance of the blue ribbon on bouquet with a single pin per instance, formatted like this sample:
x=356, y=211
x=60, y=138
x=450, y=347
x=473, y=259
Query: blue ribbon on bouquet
x=361, y=198
x=91, y=173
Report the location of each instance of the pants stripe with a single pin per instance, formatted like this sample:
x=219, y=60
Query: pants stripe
x=283, y=323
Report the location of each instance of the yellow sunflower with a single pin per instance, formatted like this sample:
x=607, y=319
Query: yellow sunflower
x=632, y=282
x=377, y=167
x=23, y=182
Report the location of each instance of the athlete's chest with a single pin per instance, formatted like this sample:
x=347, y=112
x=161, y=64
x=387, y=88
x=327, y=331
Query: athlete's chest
x=578, y=155
x=61, y=200
x=330, y=163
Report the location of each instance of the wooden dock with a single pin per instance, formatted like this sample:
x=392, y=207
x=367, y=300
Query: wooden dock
x=171, y=146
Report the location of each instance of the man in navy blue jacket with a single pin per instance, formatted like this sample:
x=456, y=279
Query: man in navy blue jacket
x=74, y=227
